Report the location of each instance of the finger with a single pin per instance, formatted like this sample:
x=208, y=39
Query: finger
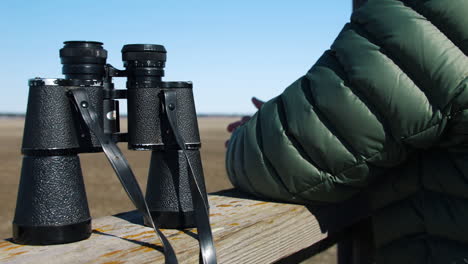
x=245, y=119
x=231, y=127
x=258, y=103
x=226, y=143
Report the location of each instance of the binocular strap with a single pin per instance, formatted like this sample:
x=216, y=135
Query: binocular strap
x=120, y=165
x=205, y=237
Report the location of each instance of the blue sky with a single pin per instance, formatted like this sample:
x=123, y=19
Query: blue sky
x=230, y=50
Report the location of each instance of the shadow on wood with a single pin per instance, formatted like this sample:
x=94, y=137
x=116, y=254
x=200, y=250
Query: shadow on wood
x=338, y=220
x=246, y=229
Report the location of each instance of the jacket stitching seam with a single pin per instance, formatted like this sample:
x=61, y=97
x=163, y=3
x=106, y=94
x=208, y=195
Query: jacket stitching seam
x=264, y=158
x=431, y=21
x=361, y=162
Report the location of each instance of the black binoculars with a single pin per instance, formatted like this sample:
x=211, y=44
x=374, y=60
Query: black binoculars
x=52, y=206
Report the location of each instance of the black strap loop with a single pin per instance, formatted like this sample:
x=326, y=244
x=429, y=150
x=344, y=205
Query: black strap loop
x=120, y=166
x=202, y=219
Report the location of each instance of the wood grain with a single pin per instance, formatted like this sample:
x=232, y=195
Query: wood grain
x=245, y=231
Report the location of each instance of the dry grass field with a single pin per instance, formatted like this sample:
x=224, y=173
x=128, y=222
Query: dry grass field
x=105, y=194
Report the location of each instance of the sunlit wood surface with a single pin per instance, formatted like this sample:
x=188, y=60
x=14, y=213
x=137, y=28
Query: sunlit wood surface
x=245, y=231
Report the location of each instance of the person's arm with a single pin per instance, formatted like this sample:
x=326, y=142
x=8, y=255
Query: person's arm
x=389, y=85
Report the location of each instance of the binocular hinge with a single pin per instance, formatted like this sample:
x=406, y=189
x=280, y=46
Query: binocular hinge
x=119, y=164
x=115, y=94
x=207, y=249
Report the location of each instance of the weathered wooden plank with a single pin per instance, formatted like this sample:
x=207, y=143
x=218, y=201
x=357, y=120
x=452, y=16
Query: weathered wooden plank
x=245, y=231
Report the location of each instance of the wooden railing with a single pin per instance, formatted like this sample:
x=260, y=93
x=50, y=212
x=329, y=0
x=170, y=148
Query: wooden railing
x=245, y=230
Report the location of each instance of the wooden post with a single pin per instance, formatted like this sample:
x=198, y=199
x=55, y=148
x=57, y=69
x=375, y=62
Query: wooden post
x=358, y=245
x=363, y=243
x=345, y=250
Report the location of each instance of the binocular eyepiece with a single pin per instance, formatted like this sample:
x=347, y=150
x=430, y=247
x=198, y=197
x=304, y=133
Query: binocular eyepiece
x=52, y=206
x=83, y=60
x=145, y=64
x=86, y=60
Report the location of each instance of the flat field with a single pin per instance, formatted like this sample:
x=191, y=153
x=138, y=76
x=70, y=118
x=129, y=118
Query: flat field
x=105, y=194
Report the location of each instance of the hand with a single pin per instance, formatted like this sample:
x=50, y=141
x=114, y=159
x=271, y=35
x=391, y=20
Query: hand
x=233, y=126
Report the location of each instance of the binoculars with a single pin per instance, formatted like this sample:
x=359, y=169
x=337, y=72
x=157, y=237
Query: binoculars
x=52, y=207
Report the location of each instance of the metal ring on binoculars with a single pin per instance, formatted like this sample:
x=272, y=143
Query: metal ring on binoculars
x=34, y=82
x=160, y=85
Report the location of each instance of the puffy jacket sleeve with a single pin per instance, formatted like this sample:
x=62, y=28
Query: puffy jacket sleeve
x=387, y=86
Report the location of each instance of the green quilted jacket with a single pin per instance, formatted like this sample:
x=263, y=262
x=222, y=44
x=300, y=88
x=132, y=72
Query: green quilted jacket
x=384, y=110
